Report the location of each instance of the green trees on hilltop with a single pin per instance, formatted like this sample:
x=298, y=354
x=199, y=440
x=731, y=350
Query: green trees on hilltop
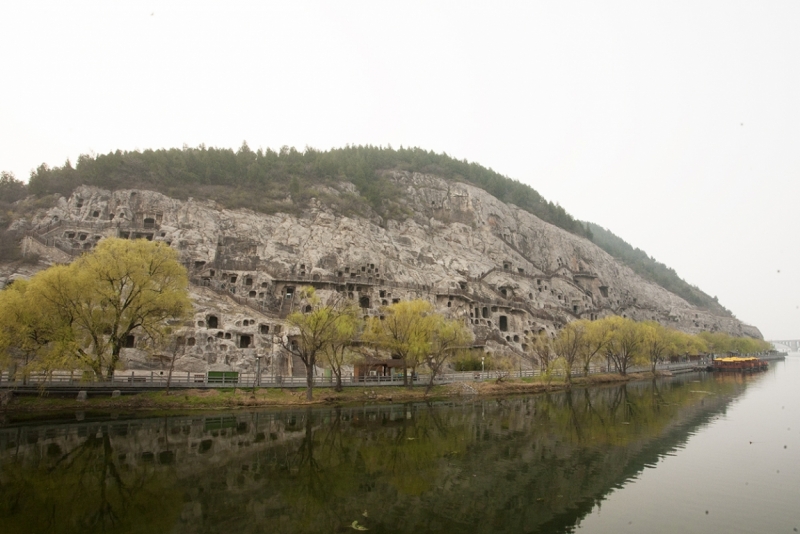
x=652, y=270
x=269, y=181
x=265, y=180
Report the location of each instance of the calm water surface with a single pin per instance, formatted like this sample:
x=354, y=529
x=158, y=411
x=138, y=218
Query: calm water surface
x=739, y=472
x=696, y=453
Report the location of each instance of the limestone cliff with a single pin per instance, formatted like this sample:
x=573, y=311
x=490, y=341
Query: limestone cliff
x=503, y=270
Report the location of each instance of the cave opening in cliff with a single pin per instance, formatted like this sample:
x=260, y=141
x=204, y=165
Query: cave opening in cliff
x=212, y=321
x=364, y=302
x=149, y=222
x=485, y=312
x=503, y=323
x=244, y=341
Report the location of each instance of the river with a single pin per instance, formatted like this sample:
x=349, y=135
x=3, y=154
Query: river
x=694, y=453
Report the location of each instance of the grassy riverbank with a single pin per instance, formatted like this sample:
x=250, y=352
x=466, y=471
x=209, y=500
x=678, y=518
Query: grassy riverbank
x=227, y=399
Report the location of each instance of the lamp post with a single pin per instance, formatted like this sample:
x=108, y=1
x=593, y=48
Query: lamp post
x=483, y=368
x=272, y=358
x=258, y=370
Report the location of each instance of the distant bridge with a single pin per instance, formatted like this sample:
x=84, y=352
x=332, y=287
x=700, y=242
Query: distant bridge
x=792, y=345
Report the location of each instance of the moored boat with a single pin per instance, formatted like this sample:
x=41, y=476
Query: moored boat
x=738, y=363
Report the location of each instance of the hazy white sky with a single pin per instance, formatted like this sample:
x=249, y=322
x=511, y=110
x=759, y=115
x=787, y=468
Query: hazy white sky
x=674, y=124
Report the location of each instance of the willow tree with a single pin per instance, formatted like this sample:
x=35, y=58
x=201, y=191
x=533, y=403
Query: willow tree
x=320, y=331
x=625, y=343
x=540, y=349
x=594, y=342
x=122, y=288
x=568, y=344
x=448, y=336
x=29, y=331
x=347, y=328
x=657, y=342
x=405, y=332
x=749, y=345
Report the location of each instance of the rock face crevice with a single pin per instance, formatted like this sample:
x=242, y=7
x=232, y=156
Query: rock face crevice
x=501, y=269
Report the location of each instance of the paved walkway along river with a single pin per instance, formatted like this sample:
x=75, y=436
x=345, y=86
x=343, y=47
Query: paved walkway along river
x=145, y=380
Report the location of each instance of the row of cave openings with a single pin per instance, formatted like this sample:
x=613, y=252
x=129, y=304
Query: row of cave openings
x=483, y=313
x=82, y=240
x=244, y=341
x=364, y=301
x=561, y=263
x=149, y=221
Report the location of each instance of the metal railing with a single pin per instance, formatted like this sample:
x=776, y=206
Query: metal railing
x=183, y=379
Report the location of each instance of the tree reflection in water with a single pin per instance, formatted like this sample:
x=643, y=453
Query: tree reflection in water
x=480, y=465
x=88, y=488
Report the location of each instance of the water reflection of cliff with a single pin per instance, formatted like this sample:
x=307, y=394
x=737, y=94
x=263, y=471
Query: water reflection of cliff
x=513, y=465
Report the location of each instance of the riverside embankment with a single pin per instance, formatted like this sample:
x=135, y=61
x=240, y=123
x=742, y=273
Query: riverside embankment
x=153, y=394
x=30, y=403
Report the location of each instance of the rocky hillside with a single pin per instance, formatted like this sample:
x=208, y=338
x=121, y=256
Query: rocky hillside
x=502, y=269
